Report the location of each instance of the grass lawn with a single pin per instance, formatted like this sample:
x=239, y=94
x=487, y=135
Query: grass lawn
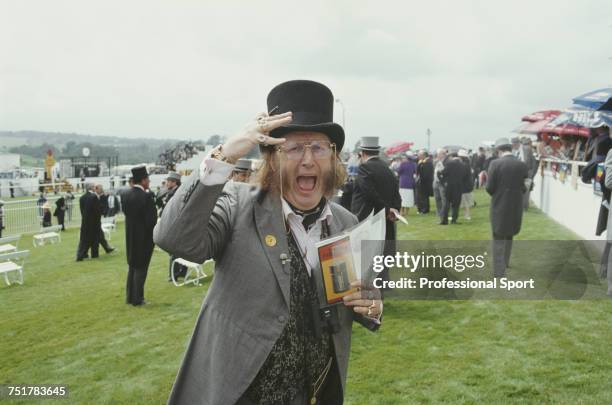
x=68, y=324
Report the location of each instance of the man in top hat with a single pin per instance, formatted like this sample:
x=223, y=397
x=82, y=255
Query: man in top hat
x=506, y=185
x=140, y=218
x=262, y=324
x=242, y=171
x=376, y=188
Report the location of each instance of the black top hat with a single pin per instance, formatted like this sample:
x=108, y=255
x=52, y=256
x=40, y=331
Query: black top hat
x=369, y=144
x=139, y=173
x=312, y=105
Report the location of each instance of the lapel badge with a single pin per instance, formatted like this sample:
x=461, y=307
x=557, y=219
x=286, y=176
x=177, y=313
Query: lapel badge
x=270, y=240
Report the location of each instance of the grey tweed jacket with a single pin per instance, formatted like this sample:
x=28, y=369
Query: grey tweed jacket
x=247, y=305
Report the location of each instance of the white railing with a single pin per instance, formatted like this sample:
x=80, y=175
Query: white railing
x=25, y=216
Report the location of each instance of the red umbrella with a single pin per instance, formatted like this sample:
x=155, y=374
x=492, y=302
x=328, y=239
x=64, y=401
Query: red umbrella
x=566, y=129
x=540, y=122
x=541, y=115
x=398, y=147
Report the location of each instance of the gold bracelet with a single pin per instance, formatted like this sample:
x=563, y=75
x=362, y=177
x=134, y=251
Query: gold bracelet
x=217, y=153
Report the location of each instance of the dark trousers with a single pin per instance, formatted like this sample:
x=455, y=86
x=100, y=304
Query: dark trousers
x=60, y=221
x=134, y=289
x=422, y=201
x=85, y=244
x=439, y=197
x=104, y=242
x=452, y=203
x=502, y=249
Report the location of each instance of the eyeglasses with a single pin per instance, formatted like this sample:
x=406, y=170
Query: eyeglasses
x=296, y=150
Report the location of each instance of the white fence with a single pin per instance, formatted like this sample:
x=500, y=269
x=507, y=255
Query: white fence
x=25, y=216
x=559, y=192
x=30, y=187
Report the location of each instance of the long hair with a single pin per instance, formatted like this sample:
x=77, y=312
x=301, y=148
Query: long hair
x=269, y=175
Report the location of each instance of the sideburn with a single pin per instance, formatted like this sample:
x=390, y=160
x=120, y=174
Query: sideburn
x=329, y=180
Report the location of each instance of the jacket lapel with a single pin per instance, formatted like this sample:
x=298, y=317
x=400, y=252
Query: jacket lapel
x=270, y=225
x=335, y=226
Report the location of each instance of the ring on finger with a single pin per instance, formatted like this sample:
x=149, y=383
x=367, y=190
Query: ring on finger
x=262, y=123
x=261, y=139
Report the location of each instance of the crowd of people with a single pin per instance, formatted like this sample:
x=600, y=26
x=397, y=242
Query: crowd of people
x=180, y=152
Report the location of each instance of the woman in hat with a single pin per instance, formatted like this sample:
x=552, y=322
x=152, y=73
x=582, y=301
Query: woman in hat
x=46, y=219
x=406, y=172
x=261, y=337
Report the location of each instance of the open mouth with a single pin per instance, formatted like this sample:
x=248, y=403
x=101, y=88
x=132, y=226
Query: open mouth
x=306, y=183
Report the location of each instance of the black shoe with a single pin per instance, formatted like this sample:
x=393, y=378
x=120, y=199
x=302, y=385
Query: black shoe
x=79, y=259
x=111, y=250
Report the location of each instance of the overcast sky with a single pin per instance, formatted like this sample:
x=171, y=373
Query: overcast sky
x=188, y=69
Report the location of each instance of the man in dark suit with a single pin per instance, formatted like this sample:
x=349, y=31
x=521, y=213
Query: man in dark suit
x=376, y=188
x=424, y=184
x=91, y=212
x=140, y=218
x=506, y=185
x=453, y=178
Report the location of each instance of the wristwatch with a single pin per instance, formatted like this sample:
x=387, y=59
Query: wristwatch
x=217, y=153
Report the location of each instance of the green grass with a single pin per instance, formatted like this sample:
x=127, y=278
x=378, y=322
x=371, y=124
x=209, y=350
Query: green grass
x=68, y=324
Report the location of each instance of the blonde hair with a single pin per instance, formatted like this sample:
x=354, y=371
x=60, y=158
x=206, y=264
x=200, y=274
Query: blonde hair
x=269, y=175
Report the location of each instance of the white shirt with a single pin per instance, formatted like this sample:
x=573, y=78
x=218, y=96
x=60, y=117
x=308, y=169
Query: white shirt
x=306, y=239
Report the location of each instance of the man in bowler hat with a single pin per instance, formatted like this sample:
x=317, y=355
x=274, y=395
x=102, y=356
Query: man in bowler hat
x=506, y=185
x=173, y=182
x=242, y=171
x=140, y=219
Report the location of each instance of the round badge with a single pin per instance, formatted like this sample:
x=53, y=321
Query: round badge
x=270, y=240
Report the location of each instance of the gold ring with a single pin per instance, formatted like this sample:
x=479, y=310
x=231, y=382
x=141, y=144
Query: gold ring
x=261, y=138
x=262, y=122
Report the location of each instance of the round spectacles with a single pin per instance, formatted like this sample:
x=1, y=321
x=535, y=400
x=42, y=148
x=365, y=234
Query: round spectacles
x=295, y=150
